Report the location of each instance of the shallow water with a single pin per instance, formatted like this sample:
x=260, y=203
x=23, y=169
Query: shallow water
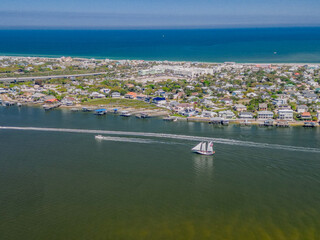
x=67, y=185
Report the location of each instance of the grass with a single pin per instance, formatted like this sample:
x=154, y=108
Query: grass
x=120, y=102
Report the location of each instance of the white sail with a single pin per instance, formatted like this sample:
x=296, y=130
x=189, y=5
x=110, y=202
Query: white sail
x=197, y=148
x=210, y=147
x=203, y=147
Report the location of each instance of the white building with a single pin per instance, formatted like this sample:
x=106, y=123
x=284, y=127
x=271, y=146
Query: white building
x=226, y=114
x=246, y=115
x=286, y=114
x=265, y=115
x=115, y=95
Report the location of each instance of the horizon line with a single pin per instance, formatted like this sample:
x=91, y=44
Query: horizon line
x=200, y=27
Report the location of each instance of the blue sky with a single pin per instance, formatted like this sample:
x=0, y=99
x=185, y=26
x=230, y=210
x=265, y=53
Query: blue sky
x=158, y=13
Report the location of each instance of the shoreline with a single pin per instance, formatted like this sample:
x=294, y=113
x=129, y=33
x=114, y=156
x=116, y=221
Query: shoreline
x=165, y=113
x=84, y=58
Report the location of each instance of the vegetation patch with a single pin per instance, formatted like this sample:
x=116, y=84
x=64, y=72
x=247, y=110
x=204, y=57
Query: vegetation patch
x=115, y=102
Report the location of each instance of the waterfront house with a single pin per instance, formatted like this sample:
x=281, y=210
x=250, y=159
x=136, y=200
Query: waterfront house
x=183, y=106
x=227, y=114
x=208, y=114
x=246, y=115
x=68, y=101
x=265, y=115
x=306, y=116
x=50, y=99
x=285, y=114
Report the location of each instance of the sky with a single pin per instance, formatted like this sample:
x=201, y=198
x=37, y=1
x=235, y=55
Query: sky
x=150, y=14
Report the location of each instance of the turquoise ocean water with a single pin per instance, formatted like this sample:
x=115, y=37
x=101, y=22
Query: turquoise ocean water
x=291, y=45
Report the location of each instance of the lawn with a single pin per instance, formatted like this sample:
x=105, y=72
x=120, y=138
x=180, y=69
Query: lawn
x=120, y=102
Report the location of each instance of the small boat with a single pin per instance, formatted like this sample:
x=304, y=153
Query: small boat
x=204, y=148
x=19, y=104
x=125, y=114
x=99, y=137
x=142, y=115
x=170, y=119
x=100, y=112
x=85, y=109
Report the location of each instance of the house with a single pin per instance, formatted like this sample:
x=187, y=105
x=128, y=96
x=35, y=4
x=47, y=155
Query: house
x=246, y=115
x=280, y=101
x=97, y=95
x=50, y=99
x=227, y=101
x=141, y=97
x=68, y=101
x=227, y=114
x=239, y=108
x=251, y=95
x=265, y=115
x=302, y=108
x=263, y=106
x=115, y=95
x=285, y=114
x=306, y=116
x=131, y=95
x=159, y=100
x=105, y=90
x=208, y=114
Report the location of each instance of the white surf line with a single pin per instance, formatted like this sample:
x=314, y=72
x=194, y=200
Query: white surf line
x=171, y=136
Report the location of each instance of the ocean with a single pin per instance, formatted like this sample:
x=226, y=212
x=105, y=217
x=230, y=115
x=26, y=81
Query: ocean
x=58, y=183
x=262, y=45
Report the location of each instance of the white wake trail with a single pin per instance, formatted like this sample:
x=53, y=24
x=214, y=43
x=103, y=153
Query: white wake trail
x=171, y=136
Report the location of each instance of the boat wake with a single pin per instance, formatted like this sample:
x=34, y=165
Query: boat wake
x=171, y=136
x=125, y=139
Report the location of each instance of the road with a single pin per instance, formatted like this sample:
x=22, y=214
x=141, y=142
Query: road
x=33, y=78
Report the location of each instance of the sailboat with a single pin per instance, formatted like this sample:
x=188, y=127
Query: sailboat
x=204, y=148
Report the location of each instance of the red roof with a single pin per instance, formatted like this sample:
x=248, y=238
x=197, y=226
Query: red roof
x=306, y=114
x=52, y=100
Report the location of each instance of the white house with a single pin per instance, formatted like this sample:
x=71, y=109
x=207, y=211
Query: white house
x=285, y=114
x=265, y=115
x=302, y=108
x=115, y=95
x=245, y=115
x=226, y=114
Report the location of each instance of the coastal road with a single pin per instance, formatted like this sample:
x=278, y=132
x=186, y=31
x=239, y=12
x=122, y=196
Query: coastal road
x=33, y=78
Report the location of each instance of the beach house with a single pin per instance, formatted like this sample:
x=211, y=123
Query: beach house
x=246, y=115
x=285, y=114
x=265, y=115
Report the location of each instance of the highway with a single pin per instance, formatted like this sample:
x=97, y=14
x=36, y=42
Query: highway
x=33, y=78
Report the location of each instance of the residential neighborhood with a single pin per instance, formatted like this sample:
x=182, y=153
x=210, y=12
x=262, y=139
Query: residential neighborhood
x=245, y=93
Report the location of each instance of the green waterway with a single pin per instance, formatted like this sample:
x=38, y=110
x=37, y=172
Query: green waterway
x=61, y=185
